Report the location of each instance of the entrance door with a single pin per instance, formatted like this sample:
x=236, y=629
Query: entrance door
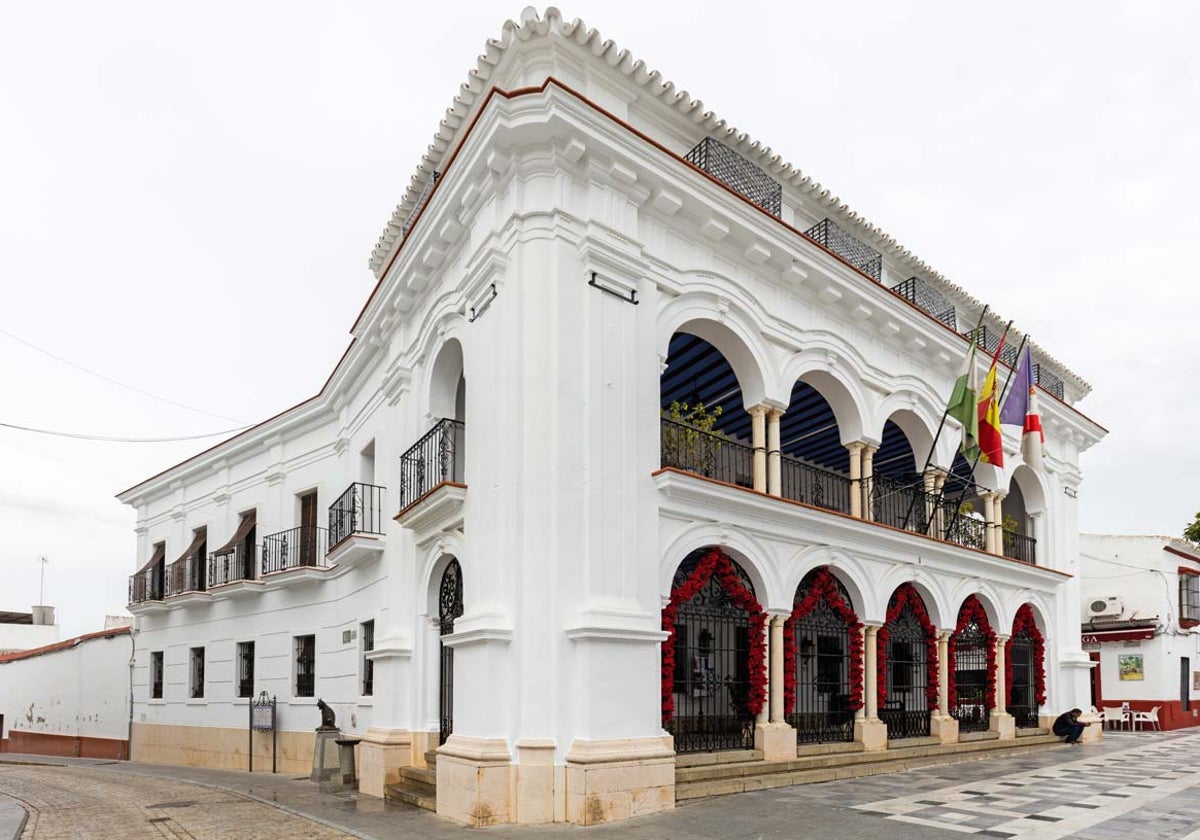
x=1097, y=694
x=1185, y=688
x=308, y=529
x=971, y=679
x=905, y=709
x=1022, y=655
x=450, y=607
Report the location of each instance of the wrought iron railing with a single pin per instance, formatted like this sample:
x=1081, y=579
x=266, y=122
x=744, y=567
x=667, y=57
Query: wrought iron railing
x=1048, y=380
x=863, y=257
x=435, y=458
x=813, y=485
x=239, y=564
x=988, y=340
x=185, y=575
x=901, y=502
x=709, y=454
x=359, y=510
x=419, y=205
x=958, y=527
x=1026, y=716
x=145, y=586
x=925, y=296
x=1020, y=547
x=301, y=546
x=905, y=723
x=737, y=173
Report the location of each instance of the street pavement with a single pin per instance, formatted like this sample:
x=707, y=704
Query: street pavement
x=1133, y=786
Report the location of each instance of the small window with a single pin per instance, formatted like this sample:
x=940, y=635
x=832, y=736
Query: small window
x=1189, y=597
x=197, y=673
x=245, y=669
x=306, y=661
x=368, y=666
x=156, y=675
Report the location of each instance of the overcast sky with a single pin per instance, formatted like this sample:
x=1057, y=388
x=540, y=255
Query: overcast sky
x=189, y=195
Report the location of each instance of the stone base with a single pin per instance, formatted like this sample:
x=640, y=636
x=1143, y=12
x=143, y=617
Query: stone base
x=423, y=742
x=221, y=748
x=1092, y=734
x=871, y=733
x=474, y=781
x=326, y=763
x=618, y=779
x=539, y=783
x=945, y=729
x=776, y=740
x=380, y=756
x=1004, y=723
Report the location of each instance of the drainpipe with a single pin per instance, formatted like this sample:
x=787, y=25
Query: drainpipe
x=129, y=727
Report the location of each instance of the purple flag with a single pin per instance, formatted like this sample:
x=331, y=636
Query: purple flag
x=1016, y=404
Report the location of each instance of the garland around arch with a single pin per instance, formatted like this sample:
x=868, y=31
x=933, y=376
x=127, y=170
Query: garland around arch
x=906, y=595
x=1024, y=623
x=715, y=562
x=972, y=611
x=823, y=586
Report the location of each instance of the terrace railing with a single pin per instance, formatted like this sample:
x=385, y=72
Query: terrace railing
x=804, y=482
x=359, y=510
x=146, y=586
x=436, y=458
x=737, y=173
x=709, y=454
x=925, y=296
x=863, y=257
x=1020, y=547
x=1048, y=380
x=239, y=564
x=186, y=576
x=296, y=547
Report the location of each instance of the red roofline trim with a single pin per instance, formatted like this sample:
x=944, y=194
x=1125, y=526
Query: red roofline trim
x=64, y=645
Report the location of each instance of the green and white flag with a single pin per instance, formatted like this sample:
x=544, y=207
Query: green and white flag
x=963, y=407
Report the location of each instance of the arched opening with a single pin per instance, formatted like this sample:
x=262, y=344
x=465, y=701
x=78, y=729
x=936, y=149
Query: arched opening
x=450, y=607
x=705, y=427
x=714, y=659
x=897, y=486
x=1025, y=669
x=959, y=516
x=814, y=464
x=972, y=668
x=907, y=654
x=1024, y=499
x=440, y=455
x=823, y=660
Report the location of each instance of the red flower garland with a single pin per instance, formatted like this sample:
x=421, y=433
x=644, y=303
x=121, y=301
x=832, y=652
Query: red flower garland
x=715, y=562
x=1024, y=623
x=972, y=611
x=823, y=586
x=907, y=595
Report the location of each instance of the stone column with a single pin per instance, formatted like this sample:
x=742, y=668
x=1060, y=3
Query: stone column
x=758, y=439
x=855, y=479
x=942, y=725
x=998, y=518
x=772, y=734
x=868, y=471
x=989, y=517
x=861, y=713
x=1036, y=521
x=870, y=731
x=1001, y=721
x=938, y=528
x=774, y=465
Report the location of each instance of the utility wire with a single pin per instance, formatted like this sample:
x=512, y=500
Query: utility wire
x=109, y=379
x=119, y=438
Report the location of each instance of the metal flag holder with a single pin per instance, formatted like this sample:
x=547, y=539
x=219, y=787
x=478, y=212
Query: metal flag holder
x=263, y=718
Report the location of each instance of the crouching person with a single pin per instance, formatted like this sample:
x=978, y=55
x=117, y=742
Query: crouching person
x=1067, y=726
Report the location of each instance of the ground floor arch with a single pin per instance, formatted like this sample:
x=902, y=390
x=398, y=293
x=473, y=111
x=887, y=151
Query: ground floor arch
x=972, y=668
x=1025, y=669
x=908, y=665
x=450, y=608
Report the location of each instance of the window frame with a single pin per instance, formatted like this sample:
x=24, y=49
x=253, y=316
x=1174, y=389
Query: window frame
x=157, y=669
x=304, y=667
x=244, y=666
x=1189, y=598
x=196, y=676
x=366, y=682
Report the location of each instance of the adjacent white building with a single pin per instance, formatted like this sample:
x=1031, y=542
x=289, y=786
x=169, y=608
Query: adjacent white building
x=1141, y=624
x=27, y=630
x=508, y=549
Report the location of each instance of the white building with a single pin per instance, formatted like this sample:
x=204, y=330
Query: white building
x=511, y=522
x=68, y=698
x=1141, y=624
x=27, y=630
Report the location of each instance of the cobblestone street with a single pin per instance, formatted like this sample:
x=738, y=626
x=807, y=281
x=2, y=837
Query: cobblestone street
x=1131, y=787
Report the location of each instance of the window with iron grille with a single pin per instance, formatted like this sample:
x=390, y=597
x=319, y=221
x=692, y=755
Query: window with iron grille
x=245, y=669
x=368, y=666
x=1189, y=597
x=196, y=679
x=306, y=665
x=156, y=675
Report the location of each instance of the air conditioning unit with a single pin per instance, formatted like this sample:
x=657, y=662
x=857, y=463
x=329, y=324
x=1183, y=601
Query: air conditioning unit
x=1105, y=608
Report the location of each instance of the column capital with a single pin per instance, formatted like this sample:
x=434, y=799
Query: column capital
x=944, y=635
x=1035, y=515
x=759, y=410
x=775, y=413
x=855, y=446
x=778, y=615
x=1001, y=638
x=870, y=448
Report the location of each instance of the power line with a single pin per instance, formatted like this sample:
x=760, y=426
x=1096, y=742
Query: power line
x=119, y=438
x=109, y=379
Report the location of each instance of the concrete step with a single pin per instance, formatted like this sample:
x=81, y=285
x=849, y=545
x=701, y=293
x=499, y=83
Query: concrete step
x=417, y=786
x=703, y=759
x=431, y=758
x=401, y=793
x=1031, y=733
x=419, y=779
x=967, y=737
x=715, y=780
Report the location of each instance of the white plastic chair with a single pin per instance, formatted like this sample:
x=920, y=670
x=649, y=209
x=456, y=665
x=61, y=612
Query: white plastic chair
x=1114, y=714
x=1150, y=717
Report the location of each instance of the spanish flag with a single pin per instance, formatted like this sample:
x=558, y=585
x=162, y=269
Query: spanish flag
x=991, y=443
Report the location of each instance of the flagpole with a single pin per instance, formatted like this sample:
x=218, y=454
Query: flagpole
x=937, y=435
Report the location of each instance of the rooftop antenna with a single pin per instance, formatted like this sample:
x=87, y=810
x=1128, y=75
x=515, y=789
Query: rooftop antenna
x=42, y=561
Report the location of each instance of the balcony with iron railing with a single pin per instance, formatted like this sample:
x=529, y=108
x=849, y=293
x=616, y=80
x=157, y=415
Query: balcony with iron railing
x=239, y=564
x=356, y=525
x=926, y=297
x=829, y=235
x=897, y=502
x=737, y=173
x=302, y=547
x=147, y=586
x=434, y=460
x=186, y=576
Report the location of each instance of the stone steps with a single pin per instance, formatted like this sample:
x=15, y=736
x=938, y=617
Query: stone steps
x=417, y=786
x=720, y=778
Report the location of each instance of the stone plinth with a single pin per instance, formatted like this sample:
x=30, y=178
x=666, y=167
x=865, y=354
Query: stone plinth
x=474, y=781
x=325, y=763
x=617, y=779
x=380, y=756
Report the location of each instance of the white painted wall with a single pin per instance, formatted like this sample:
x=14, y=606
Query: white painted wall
x=82, y=690
x=15, y=637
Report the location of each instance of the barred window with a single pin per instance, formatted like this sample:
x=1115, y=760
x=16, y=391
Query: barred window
x=306, y=656
x=245, y=669
x=1189, y=596
x=197, y=673
x=156, y=675
x=368, y=666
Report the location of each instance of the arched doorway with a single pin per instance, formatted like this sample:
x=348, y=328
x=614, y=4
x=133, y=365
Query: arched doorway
x=823, y=661
x=450, y=607
x=714, y=659
x=907, y=652
x=972, y=668
x=1025, y=667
